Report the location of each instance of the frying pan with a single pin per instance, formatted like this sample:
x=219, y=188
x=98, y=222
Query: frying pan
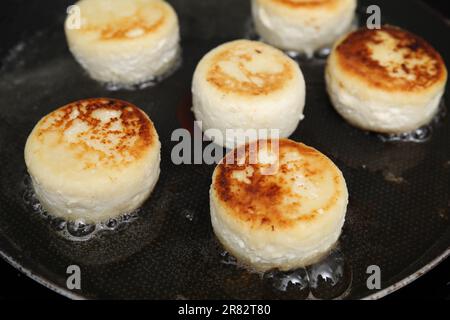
x=397, y=219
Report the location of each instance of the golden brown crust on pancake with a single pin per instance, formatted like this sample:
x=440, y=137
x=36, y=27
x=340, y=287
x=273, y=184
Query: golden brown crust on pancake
x=420, y=67
x=308, y=4
x=113, y=145
x=259, y=83
x=121, y=29
x=260, y=201
x=130, y=27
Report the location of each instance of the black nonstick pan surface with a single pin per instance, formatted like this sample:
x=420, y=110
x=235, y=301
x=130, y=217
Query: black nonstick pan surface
x=397, y=219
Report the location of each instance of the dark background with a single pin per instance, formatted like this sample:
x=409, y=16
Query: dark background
x=442, y=6
x=433, y=285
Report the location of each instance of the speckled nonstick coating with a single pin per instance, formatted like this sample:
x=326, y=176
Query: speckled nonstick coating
x=398, y=215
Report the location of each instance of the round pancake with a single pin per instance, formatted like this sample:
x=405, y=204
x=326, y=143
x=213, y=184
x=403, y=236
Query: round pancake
x=302, y=25
x=277, y=204
x=407, y=79
x=124, y=42
x=248, y=85
x=93, y=159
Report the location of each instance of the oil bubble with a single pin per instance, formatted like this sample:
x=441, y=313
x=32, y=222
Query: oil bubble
x=77, y=230
x=331, y=277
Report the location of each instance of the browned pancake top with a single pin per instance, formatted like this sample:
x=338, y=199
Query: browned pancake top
x=241, y=55
x=391, y=59
x=99, y=131
x=300, y=4
x=146, y=19
x=277, y=201
x=122, y=29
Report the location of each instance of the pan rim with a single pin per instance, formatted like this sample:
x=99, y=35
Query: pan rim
x=74, y=296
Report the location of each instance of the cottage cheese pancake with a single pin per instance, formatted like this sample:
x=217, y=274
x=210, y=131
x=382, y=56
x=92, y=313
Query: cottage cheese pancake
x=386, y=80
x=93, y=159
x=302, y=25
x=286, y=219
x=248, y=85
x=125, y=42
